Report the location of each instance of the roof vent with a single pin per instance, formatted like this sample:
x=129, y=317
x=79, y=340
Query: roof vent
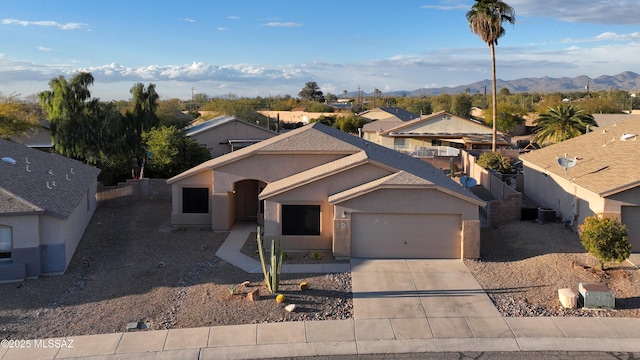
x=628, y=136
x=9, y=160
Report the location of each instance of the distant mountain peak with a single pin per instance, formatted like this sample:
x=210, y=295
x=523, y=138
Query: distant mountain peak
x=626, y=80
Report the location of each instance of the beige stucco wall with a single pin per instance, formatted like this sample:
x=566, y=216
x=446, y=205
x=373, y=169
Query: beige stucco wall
x=216, y=139
x=262, y=167
x=200, y=180
x=299, y=116
x=418, y=201
x=316, y=193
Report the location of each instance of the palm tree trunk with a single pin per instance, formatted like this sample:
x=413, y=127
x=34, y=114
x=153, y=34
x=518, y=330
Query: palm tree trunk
x=494, y=92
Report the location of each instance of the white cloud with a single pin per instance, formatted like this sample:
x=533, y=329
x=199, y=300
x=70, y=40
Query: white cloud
x=233, y=17
x=222, y=28
x=402, y=72
x=66, y=26
x=188, y=20
x=586, y=11
x=282, y=24
x=42, y=48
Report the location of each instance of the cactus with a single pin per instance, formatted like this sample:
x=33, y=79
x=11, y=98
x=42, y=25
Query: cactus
x=272, y=273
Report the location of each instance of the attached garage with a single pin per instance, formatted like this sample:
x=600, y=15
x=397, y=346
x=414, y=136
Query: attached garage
x=396, y=235
x=631, y=218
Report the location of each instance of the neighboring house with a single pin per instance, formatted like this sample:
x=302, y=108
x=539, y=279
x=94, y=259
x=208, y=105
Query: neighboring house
x=437, y=129
x=38, y=138
x=226, y=134
x=388, y=112
x=317, y=188
x=299, y=116
x=46, y=202
x=605, y=179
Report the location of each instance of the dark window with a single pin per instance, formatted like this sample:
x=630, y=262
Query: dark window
x=195, y=200
x=300, y=219
x=5, y=243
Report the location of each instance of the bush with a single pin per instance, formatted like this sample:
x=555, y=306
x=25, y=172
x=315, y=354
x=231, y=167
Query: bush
x=494, y=161
x=605, y=239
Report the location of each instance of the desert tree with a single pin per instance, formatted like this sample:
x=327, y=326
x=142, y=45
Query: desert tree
x=311, y=91
x=485, y=20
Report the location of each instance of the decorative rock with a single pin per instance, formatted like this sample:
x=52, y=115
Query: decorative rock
x=280, y=298
x=290, y=307
x=254, y=295
x=568, y=298
x=132, y=326
x=304, y=285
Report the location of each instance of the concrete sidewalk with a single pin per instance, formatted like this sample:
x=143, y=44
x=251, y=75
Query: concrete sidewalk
x=348, y=337
x=400, y=306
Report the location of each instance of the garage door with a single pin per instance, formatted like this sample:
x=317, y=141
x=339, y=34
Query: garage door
x=631, y=218
x=406, y=236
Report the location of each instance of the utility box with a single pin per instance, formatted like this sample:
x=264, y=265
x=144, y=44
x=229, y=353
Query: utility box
x=568, y=298
x=596, y=296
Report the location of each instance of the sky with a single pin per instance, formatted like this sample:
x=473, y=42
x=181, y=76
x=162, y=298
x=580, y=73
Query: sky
x=272, y=48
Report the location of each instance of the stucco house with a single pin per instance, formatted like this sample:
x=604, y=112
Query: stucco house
x=46, y=202
x=317, y=188
x=394, y=113
x=226, y=134
x=437, y=129
x=605, y=179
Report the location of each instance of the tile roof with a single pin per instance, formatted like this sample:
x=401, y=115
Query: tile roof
x=316, y=137
x=606, y=164
x=219, y=121
x=401, y=114
x=40, y=181
x=606, y=120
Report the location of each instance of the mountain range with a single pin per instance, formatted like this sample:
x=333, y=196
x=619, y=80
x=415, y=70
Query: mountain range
x=627, y=80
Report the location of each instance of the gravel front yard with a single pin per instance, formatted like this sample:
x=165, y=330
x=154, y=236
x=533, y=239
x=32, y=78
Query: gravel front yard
x=132, y=266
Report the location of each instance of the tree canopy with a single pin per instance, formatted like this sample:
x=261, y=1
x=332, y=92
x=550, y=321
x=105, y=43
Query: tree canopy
x=561, y=123
x=15, y=117
x=311, y=91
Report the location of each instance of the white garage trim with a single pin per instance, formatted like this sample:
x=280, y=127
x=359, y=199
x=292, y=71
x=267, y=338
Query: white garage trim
x=397, y=235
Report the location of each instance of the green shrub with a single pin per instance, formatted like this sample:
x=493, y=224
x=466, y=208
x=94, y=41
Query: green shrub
x=494, y=161
x=605, y=239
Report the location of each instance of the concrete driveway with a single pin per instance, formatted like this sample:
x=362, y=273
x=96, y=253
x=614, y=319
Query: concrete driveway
x=430, y=298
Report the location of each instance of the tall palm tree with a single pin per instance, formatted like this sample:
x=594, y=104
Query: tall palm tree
x=485, y=20
x=561, y=123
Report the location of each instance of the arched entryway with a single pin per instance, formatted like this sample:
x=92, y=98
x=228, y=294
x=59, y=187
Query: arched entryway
x=246, y=205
